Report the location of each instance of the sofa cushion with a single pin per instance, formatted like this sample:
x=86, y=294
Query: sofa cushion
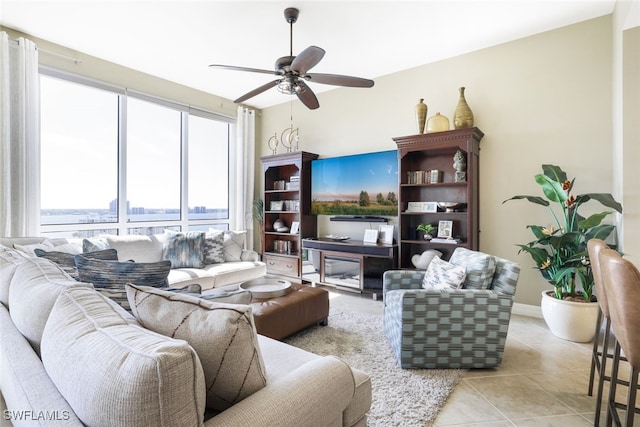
x=213, y=244
x=233, y=245
x=185, y=249
x=10, y=259
x=67, y=261
x=36, y=284
x=109, y=277
x=136, y=248
x=28, y=248
x=480, y=267
x=121, y=374
x=443, y=275
x=223, y=335
x=217, y=275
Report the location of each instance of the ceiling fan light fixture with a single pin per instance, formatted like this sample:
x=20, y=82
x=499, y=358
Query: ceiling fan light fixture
x=289, y=87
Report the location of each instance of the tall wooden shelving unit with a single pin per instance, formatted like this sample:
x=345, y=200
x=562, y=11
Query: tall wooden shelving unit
x=435, y=151
x=282, y=249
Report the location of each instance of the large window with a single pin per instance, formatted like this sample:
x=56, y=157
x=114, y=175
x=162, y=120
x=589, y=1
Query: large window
x=128, y=164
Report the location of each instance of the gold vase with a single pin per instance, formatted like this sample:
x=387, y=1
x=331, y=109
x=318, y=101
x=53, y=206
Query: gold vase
x=421, y=115
x=463, y=116
x=437, y=123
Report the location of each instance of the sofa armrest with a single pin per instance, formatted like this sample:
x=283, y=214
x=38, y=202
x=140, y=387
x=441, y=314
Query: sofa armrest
x=249, y=255
x=321, y=389
x=401, y=279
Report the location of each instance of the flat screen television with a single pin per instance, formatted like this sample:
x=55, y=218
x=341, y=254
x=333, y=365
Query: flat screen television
x=359, y=184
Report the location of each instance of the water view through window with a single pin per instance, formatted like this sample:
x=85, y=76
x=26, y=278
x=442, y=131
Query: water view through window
x=85, y=164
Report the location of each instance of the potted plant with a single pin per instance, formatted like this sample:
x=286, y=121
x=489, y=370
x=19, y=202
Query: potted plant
x=560, y=251
x=428, y=230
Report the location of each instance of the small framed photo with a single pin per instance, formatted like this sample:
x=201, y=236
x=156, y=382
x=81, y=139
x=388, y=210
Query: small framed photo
x=370, y=236
x=445, y=229
x=276, y=205
x=295, y=227
x=422, y=207
x=385, y=234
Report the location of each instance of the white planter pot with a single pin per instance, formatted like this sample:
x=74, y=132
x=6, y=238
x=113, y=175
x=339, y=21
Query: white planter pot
x=573, y=321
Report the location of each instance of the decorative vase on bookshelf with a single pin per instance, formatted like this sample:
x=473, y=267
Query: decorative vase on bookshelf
x=437, y=123
x=421, y=115
x=463, y=116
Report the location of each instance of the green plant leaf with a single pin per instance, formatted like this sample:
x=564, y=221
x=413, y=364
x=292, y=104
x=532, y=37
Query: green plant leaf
x=604, y=198
x=599, y=232
x=533, y=199
x=593, y=220
x=551, y=188
x=555, y=173
x=538, y=255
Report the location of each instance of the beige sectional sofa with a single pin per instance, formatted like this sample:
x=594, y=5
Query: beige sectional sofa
x=69, y=354
x=239, y=264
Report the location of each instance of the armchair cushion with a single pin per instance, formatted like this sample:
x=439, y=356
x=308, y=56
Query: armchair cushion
x=479, y=266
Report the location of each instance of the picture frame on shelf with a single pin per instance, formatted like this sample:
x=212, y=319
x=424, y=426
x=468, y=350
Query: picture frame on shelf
x=429, y=207
x=445, y=229
x=385, y=234
x=275, y=205
x=370, y=236
x=295, y=227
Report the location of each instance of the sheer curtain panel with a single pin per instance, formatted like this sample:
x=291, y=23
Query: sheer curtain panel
x=20, y=137
x=244, y=172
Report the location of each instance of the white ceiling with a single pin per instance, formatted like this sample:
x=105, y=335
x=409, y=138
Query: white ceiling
x=177, y=40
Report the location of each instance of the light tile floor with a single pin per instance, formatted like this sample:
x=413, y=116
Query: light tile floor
x=542, y=381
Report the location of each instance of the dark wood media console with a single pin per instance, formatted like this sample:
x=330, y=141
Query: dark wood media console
x=348, y=264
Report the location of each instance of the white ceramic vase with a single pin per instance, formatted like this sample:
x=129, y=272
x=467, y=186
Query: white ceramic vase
x=572, y=321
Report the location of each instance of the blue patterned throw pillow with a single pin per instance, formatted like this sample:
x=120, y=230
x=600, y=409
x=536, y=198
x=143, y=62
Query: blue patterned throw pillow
x=185, y=249
x=480, y=267
x=67, y=261
x=213, y=243
x=110, y=277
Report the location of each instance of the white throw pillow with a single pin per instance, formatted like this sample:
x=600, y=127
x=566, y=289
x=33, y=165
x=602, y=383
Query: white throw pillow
x=443, y=275
x=223, y=335
x=28, y=249
x=233, y=245
x=10, y=259
x=423, y=260
x=114, y=372
x=136, y=248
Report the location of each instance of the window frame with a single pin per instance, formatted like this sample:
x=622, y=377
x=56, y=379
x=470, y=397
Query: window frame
x=123, y=226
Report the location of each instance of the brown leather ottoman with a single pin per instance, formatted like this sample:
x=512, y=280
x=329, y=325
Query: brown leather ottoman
x=302, y=307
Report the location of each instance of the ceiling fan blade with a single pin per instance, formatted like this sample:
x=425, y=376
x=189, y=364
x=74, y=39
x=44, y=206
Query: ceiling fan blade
x=251, y=70
x=338, y=80
x=307, y=96
x=257, y=91
x=307, y=59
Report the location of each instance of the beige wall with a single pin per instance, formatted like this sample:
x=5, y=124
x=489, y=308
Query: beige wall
x=541, y=99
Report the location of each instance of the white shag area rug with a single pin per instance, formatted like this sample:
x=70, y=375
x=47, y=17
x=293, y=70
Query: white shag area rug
x=401, y=397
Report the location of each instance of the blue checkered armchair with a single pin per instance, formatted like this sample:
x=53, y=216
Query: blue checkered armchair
x=465, y=328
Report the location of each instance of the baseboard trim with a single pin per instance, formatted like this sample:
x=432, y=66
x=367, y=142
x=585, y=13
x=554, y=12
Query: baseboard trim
x=527, y=310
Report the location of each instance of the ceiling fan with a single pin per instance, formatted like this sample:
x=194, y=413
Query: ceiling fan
x=292, y=72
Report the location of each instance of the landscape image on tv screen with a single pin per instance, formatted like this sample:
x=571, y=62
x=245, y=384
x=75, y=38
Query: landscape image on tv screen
x=360, y=184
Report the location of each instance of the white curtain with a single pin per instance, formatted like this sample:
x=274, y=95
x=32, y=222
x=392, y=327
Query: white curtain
x=20, y=138
x=244, y=172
